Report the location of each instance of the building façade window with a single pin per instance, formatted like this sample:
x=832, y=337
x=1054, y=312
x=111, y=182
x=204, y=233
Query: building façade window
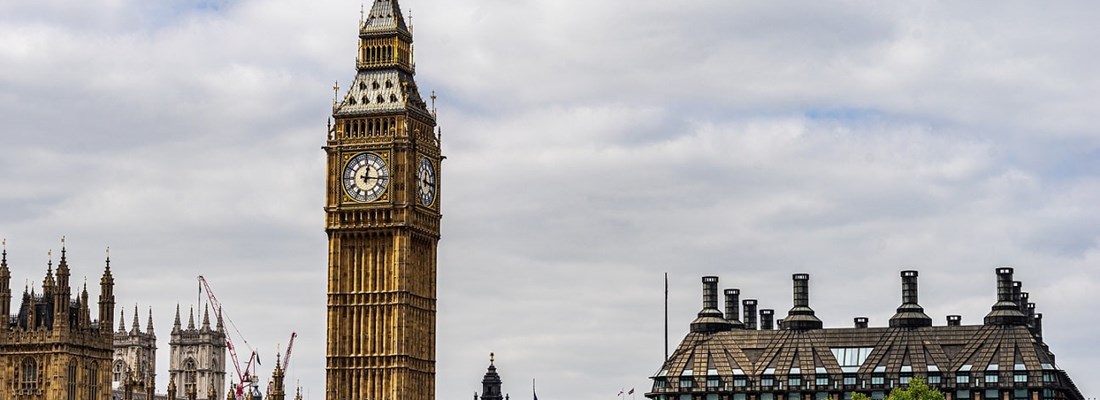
x=29, y=376
x=93, y=381
x=70, y=381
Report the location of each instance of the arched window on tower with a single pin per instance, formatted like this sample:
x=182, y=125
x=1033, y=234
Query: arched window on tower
x=117, y=371
x=70, y=384
x=93, y=381
x=190, y=374
x=30, y=375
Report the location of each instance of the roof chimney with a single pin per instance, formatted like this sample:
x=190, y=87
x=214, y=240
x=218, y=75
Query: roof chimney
x=1025, y=297
x=733, y=308
x=710, y=318
x=767, y=318
x=749, y=308
x=1031, y=316
x=801, y=316
x=954, y=320
x=1006, y=311
x=861, y=322
x=1037, y=323
x=779, y=323
x=1017, y=294
x=910, y=314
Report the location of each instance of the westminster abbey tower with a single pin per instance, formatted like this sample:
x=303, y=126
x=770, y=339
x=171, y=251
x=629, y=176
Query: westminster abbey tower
x=382, y=220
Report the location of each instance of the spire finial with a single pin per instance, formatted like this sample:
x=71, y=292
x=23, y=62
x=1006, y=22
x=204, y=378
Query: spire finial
x=136, y=323
x=492, y=358
x=433, y=105
x=4, y=258
x=362, y=14
x=108, y=258
x=49, y=257
x=62, y=247
x=149, y=324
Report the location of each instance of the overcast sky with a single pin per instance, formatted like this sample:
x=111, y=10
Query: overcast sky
x=591, y=147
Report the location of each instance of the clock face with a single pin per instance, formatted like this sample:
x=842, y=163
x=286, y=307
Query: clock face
x=365, y=177
x=425, y=182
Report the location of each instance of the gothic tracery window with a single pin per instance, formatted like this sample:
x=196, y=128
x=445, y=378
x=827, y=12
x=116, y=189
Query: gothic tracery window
x=93, y=378
x=70, y=384
x=189, y=376
x=30, y=375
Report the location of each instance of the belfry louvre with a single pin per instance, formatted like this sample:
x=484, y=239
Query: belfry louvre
x=726, y=357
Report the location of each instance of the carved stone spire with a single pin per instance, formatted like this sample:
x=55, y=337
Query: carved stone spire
x=206, y=318
x=122, y=320
x=106, y=296
x=136, y=329
x=176, y=324
x=149, y=323
x=191, y=320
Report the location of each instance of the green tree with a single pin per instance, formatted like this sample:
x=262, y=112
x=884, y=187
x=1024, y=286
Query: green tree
x=917, y=390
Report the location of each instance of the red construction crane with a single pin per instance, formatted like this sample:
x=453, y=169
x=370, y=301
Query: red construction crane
x=246, y=375
x=289, y=347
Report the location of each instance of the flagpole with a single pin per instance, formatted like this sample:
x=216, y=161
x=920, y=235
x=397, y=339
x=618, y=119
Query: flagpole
x=666, y=317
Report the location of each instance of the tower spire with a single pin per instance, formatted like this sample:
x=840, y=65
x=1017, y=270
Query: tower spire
x=122, y=320
x=176, y=324
x=136, y=328
x=191, y=320
x=149, y=323
x=206, y=318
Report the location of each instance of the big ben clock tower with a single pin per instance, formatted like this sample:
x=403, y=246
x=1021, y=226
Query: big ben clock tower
x=382, y=219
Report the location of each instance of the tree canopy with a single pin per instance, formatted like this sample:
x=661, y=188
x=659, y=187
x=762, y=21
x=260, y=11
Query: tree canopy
x=917, y=390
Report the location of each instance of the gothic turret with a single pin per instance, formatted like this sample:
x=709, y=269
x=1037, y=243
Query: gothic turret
x=490, y=384
x=5, y=287
x=277, y=390
x=106, y=297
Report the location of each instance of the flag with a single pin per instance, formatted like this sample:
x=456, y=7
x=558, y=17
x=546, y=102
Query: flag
x=631, y=391
x=620, y=392
x=533, y=394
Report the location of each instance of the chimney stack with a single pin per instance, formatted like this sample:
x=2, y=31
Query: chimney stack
x=954, y=320
x=710, y=319
x=767, y=318
x=733, y=308
x=1038, y=324
x=910, y=314
x=801, y=316
x=749, y=308
x=1025, y=297
x=1017, y=295
x=1005, y=311
x=1031, y=317
x=861, y=322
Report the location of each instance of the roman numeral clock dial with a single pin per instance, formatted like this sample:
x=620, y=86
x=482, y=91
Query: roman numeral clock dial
x=365, y=177
x=425, y=182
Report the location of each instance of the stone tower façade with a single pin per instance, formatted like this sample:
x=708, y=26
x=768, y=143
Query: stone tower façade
x=196, y=363
x=135, y=355
x=51, y=348
x=382, y=220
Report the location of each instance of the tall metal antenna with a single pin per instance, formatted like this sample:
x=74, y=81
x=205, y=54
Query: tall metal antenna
x=666, y=317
